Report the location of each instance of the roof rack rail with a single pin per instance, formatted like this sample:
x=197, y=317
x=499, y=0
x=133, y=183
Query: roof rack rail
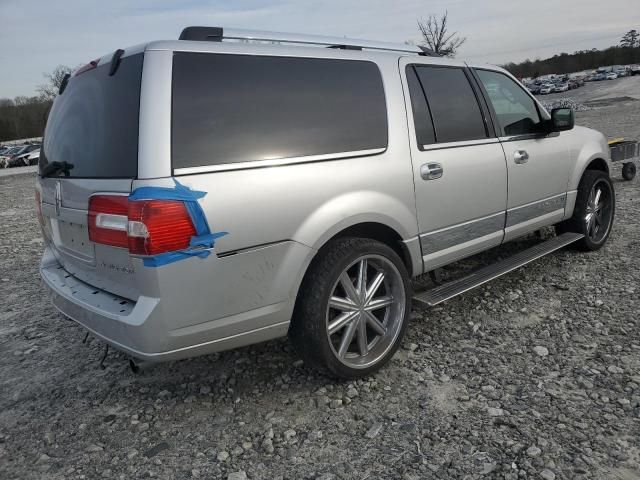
x=217, y=34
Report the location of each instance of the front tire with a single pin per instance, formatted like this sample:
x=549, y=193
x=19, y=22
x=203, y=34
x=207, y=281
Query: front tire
x=594, y=211
x=352, y=309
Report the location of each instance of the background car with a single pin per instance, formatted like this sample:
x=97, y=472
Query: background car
x=611, y=76
x=19, y=158
x=547, y=88
x=533, y=88
x=561, y=87
x=34, y=157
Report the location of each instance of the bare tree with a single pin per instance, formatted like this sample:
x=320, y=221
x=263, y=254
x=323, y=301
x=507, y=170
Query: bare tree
x=436, y=36
x=49, y=90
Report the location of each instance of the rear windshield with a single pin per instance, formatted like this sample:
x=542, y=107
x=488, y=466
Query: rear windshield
x=93, y=125
x=242, y=108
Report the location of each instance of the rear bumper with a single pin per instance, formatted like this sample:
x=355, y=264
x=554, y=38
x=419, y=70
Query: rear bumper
x=146, y=329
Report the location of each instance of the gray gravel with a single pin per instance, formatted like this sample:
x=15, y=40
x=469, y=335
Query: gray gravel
x=534, y=376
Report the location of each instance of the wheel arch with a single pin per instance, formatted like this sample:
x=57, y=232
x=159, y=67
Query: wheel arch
x=371, y=229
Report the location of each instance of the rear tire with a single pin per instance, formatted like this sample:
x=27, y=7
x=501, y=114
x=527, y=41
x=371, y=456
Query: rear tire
x=593, y=213
x=340, y=327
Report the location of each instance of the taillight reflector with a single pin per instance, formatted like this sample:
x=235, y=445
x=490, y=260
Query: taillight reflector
x=145, y=227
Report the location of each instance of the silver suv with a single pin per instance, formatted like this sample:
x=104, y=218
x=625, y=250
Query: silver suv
x=202, y=194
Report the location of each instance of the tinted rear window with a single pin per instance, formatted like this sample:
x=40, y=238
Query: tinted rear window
x=93, y=125
x=454, y=107
x=240, y=108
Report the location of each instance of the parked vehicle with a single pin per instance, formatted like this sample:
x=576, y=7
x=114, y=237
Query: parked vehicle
x=8, y=159
x=547, y=88
x=533, y=88
x=635, y=70
x=209, y=208
x=19, y=157
x=9, y=151
x=611, y=76
x=5, y=148
x=561, y=87
x=33, y=157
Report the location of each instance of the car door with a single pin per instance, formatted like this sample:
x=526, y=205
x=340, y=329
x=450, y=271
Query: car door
x=538, y=162
x=460, y=174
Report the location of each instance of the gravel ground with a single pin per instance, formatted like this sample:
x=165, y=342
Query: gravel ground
x=536, y=375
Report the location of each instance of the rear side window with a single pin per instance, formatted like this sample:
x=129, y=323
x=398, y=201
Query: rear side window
x=425, y=134
x=242, y=108
x=453, y=104
x=93, y=125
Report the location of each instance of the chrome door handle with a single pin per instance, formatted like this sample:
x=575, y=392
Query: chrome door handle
x=431, y=171
x=520, y=156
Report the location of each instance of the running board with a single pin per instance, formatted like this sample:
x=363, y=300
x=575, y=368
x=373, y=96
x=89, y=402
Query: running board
x=486, y=274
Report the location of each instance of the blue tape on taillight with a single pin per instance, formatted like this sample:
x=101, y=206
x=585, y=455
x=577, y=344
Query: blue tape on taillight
x=204, y=238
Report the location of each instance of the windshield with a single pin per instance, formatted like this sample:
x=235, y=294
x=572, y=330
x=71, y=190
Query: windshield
x=92, y=130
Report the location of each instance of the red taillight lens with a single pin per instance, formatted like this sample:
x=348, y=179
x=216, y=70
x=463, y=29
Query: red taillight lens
x=145, y=227
x=108, y=220
x=158, y=226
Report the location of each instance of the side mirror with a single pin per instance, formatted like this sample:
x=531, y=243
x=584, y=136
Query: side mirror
x=562, y=119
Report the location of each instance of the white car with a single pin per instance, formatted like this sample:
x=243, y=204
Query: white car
x=611, y=76
x=561, y=87
x=547, y=89
x=33, y=157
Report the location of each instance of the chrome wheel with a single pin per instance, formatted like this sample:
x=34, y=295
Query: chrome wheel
x=365, y=311
x=598, y=212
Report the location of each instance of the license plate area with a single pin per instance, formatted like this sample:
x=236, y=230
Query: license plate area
x=73, y=238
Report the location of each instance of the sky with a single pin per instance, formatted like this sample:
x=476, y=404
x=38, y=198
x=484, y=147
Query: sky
x=38, y=35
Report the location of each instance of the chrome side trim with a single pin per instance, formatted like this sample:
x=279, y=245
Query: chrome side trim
x=461, y=233
x=535, y=209
x=275, y=162
x=527, y=136
x=466, y=143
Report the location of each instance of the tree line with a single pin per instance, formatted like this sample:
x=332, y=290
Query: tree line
x=627, y=52
x=25, y=117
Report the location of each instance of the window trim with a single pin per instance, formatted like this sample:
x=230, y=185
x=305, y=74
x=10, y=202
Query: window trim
x=412, y=66
x=494, y=115
x=276, y=162
x=484, y=113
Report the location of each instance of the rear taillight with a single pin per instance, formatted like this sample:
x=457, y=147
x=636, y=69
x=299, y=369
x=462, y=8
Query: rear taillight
x=39, y=208
x=145, y=227
x=158, y=226
x=108, y=220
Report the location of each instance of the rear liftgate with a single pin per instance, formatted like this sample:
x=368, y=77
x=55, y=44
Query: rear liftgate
x=483, y=275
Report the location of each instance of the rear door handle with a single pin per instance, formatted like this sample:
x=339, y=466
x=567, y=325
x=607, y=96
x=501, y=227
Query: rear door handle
x=431, y=171
x=520, y=156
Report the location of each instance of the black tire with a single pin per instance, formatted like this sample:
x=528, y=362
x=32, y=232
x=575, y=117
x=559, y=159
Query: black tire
x=629, y=171
x=309, y=327
x=578, y=224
